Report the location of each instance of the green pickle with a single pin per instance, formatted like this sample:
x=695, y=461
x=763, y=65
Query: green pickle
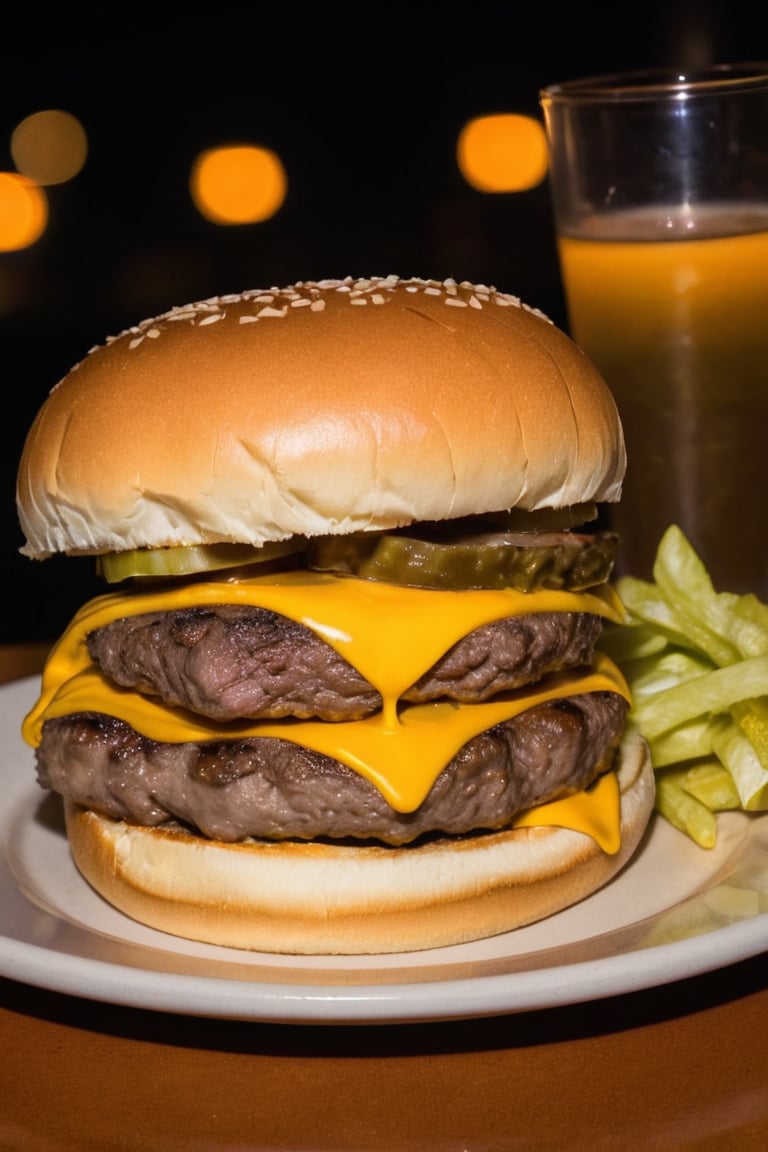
x=185, y=560
x=712, y=785
x=524, y=561
x=520, y=550
x=696, y=661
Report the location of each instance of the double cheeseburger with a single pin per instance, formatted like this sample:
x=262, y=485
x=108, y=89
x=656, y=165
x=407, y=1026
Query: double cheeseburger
x=343, y=692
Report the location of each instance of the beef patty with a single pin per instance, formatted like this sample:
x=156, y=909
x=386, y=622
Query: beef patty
x=230, y=661
x=266, y=787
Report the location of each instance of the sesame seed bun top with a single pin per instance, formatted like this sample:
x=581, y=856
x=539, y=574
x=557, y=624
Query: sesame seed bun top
x=322, y=408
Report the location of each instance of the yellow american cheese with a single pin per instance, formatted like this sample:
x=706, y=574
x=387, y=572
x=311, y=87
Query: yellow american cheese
x=391, y=634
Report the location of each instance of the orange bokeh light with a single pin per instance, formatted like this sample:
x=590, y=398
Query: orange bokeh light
x=502, y=153
x=238, y=184
x=23, y=212
x=49, y=147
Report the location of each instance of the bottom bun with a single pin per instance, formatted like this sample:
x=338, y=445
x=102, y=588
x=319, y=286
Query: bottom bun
x=312, y=898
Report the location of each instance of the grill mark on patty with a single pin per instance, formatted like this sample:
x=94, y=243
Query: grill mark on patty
x=230, y=661
x=271, y=788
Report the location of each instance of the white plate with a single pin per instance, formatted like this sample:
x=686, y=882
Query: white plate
x=676, y=911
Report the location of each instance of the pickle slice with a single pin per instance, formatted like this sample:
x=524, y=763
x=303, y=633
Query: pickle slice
x=186, y=560
x=523, y=561
x=500, y=550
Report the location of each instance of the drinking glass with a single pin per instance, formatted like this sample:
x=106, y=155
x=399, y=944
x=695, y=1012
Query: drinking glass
x=659, y=184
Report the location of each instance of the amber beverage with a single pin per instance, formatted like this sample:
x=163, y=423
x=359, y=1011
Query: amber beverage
x=660, y=191
x=693, y=394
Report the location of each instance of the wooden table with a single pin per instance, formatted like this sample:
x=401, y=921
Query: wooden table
x=680, y=1067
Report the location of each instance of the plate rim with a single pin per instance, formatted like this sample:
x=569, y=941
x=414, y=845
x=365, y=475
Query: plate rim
x=455, y=999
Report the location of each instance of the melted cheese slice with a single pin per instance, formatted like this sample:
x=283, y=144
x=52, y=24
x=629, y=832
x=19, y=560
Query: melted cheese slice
x=390, y=634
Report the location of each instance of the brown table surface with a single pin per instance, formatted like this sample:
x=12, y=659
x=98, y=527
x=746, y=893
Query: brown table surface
x=684, y=1066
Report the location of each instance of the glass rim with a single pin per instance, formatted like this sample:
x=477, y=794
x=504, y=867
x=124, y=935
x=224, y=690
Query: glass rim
x=659, y=83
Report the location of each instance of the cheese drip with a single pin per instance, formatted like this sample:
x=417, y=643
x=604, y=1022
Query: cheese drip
x=391, y=634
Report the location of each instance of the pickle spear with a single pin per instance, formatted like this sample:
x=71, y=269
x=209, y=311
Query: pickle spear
x=696, y=661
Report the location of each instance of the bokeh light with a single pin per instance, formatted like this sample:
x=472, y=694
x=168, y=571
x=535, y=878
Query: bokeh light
x=23, y=212
x=49, y=147
x=238, y=184
x=502, y=153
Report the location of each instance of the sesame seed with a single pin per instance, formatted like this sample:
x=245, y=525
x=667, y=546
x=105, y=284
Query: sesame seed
x=275, y=302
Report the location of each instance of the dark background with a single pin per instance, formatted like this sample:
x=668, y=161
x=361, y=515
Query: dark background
x=363, y=103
